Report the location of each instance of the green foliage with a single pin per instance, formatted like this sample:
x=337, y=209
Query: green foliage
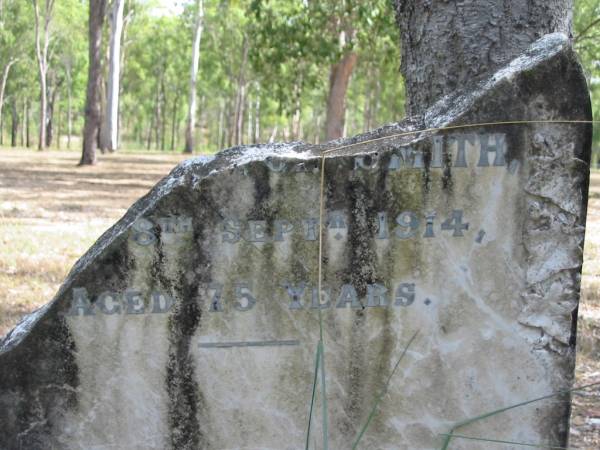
x=586, y=31
x=284, y=84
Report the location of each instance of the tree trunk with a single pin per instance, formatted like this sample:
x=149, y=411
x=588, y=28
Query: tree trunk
x=50, y=113
x=92, y=101
x=163, y=115
x=27, y=124
x=24, y=121
x=191, y=117
x=174, y=120
x=69, y=109
x=257, y=116
x=339, y=79
x=111, y=116
x=14, y=128
x=41, y=51
x=3, y=85
x=241, y=95
x=449, y=45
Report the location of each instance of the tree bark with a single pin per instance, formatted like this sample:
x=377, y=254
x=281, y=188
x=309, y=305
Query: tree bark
x=92, y=102
x=339, y=79
x=174, y=120
x=69, y=106
x=449, y=45
x=41, y=51
x=53, y=91
x=27, y=123
x=5, y=73
x=241, y=95
x=111, y=116
x=191, y=117
x=14, y=128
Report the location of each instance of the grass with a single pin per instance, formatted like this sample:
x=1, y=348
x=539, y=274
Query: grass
x=44, y=198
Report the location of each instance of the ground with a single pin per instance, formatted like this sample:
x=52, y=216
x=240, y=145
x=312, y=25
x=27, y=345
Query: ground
x=51, y=212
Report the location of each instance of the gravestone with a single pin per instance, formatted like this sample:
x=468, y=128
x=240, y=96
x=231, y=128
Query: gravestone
x=194, y=321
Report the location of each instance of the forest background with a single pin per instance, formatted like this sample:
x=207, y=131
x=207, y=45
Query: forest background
x=269, y=70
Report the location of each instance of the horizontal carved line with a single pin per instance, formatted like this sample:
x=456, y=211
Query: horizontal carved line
x=272, y=343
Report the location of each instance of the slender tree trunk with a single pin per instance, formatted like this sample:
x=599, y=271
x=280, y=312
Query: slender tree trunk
x=27, y=124
x=50, y=114
x=220, y=141
x=191, y=117
x=174, y=120
x=297, y=114
x=163, y=116
x=41, y=51
x=339, y=79
x=477, y=38
x=149, y=135
x=23, y=122
x=69, y=110
x=92, y=104
x=14, y=129
x=111, y=116
x=257, y=116
x=250, y=120
x=241, y=94
x=5, y=73
x=58, y=122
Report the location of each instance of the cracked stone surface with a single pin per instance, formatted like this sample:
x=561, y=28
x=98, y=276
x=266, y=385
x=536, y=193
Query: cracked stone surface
x=193, y=322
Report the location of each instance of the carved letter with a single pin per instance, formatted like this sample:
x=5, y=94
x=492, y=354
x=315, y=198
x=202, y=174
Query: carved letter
x=436, y=157
x=257, y=231
x=325, y=294
x=382, y=231
x=461, y=144
x=348, y=295
x=295, y=293
x=215, y=303
x=368, y=162
x=162, y=303
x=405, y=294
x=498, y=147
x=282, y=227
x=244, y=299
x=310, y=229
x=142, y=232
x=80, y=303
x=109, y=303
x=231, y=231
x=376, y=295
x=135, y=303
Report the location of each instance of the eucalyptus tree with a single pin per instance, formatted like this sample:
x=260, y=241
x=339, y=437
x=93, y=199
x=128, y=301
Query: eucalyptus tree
x=311, y=36
x=43, y=17
x=97, y=11
x=191, y=115
x=111, y=115
x=15, y=39
x=434, y=65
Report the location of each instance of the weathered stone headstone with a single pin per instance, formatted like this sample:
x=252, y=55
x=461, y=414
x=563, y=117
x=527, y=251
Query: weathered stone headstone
x=193, y=322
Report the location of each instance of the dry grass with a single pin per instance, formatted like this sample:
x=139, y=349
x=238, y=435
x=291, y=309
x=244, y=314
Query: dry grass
x=51, y=212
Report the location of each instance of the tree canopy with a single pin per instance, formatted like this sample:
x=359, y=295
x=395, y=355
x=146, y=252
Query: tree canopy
x=266, y=70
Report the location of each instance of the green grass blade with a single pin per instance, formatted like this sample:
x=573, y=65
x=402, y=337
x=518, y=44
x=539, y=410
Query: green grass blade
x=465, y=422
x=382, y=393
x=499, y=441
x=313, y=395
x=324, y=400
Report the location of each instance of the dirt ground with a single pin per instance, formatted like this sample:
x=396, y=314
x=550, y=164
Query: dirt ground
x=51, y=212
